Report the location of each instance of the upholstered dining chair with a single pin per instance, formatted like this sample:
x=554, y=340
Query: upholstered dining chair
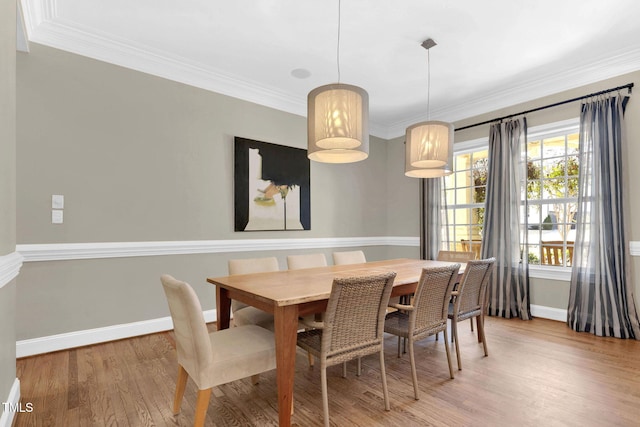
x=244, y=314
x=469, y=300
x=297, y=262
x=349, y=257
x=426, y=315
x=349, y=330
x=215, y=358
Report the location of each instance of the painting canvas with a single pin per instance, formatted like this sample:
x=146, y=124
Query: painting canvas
x=272, y=190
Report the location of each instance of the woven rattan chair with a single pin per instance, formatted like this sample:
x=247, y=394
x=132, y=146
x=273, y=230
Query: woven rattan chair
x=212, y=358
x=244, y=314
x=456, y=256
x=469, y=299
x=427, y=315
x=349, y=330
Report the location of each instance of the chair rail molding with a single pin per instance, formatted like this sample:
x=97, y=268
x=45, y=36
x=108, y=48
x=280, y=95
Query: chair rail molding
x=11, y=401
x=10, y=266
x=75, y=251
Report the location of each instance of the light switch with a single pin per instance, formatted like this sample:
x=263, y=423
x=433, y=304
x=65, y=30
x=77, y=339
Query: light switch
x=57, y=201
x=56, y=216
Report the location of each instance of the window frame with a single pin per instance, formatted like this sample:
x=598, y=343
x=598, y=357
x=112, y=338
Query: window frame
x=539, y=132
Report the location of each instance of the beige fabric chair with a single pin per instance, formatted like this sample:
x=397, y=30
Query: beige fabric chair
x=427, y=315
x=455, y=256
x=349, y=257
x=244, y=314
x=469, y=299
x=297, y=262
x=211, y=359
x=349, y=330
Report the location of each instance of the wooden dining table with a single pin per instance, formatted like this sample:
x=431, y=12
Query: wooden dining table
x=290, y=294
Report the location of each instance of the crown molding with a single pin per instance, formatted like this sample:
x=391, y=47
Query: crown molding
x=623, y=62
x=43, y=26
x=10, y=266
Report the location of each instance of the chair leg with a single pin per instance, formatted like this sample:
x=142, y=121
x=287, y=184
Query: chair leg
x=383, y=374
x=399, y=346
x=481, y=334
x=471, y=324
x=202, y=404
x=359, y=366
x=311, y=360
x=181, y=384
x=446, y=347
x=255, y=379
x=325, y=396
x=454, y=328
x=344, y=369
x=414, y=374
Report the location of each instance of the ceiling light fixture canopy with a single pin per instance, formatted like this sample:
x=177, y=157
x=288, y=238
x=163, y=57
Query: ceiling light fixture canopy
x=429, y=145
x=338, y=120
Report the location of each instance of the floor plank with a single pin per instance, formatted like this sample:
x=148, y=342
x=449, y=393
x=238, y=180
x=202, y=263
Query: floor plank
x=538, y=373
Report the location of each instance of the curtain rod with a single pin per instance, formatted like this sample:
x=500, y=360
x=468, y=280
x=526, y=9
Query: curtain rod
x=627, y=86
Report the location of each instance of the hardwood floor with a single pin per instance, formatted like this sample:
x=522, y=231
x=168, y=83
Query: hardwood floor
x=538, y=373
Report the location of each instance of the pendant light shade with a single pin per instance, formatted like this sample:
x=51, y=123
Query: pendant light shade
x=338, y=124
x=428, y=143
x=432, y=172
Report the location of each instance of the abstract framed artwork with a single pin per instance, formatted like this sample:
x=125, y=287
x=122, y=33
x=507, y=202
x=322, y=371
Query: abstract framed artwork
x=272, y=187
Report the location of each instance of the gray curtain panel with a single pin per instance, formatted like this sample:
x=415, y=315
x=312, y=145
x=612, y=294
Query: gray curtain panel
x=433, y=216
x=601, y=299
x=503, y=235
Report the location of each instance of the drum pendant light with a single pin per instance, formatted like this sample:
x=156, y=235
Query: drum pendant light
x=429, y=145
x=338, y=121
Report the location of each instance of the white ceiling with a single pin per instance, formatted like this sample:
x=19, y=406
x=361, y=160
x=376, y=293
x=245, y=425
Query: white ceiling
x=490, y=54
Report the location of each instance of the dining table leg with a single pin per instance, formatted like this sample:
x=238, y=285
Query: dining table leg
x=223, y=308
x=286, y=328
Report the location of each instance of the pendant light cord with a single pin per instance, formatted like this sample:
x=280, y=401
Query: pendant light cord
x=338, y=47
x=428, y=85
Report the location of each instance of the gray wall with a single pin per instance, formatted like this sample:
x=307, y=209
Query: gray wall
x=555, y=293
x=7, y=191
x=140, y=158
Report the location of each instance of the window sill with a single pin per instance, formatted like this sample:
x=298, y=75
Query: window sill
x=552, y=273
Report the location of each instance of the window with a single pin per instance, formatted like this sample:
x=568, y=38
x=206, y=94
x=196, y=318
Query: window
x=551, y=195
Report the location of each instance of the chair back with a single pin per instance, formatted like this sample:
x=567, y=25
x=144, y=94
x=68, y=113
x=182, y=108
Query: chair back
x=472, y=288
x=456, y=256
x=192, y=337
x=474, y=246
x=249, y=266
x=349, y=257
x=354, y=320
x=431, y=300
x=297, y=262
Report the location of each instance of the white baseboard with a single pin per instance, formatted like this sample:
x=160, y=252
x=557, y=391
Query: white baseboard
x=6, y=419
x=549, y=313
x=65, y=341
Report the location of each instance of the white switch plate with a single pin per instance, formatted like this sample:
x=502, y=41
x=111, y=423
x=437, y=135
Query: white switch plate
x=57, y=201
x=57, y=216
